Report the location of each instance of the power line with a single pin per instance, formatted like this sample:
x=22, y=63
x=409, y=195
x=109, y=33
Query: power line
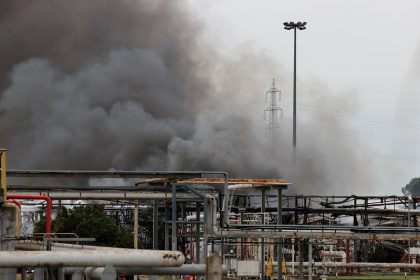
x=336, y=112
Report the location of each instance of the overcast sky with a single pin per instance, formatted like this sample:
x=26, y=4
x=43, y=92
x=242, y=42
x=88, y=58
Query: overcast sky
x=371, y=47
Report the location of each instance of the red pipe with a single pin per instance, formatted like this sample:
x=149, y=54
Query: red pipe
x=40, y=197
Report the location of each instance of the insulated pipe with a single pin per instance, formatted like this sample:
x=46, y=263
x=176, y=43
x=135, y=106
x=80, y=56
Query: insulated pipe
x=359, y=264
x=18, y=214
x=35, y=245
x=15, y=202
x=127, y=257
x=340, y=254
x=185, y=269
x=86, y=195
x=38, y=197
x=360, y=229
x=326, y=234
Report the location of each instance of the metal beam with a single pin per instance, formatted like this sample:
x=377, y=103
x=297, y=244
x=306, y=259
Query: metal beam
x=110, y=174
x=335, y=235
x=121, y=195
x=360, y=229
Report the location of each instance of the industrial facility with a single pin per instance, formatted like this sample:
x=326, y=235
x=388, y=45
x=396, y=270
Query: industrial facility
x=213, y=226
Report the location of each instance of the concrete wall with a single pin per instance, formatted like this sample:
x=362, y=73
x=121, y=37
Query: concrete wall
x=8, y=220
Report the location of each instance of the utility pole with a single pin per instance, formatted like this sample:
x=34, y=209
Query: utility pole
x=272, y=129
x=295, y=26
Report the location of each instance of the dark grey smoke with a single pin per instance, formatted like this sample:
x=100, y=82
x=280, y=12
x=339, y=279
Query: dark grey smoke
x=134, y=85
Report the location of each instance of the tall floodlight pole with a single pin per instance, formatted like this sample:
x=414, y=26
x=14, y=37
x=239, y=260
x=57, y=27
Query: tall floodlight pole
x=289, y=26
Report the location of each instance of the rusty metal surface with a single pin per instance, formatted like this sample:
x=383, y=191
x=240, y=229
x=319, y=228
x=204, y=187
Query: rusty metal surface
x=123, y=195
x=260, y=182
x=154, y=181
x=254, y=182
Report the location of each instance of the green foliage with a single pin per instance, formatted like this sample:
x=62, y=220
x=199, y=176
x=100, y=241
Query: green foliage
x=412, y=188
x=90, y=221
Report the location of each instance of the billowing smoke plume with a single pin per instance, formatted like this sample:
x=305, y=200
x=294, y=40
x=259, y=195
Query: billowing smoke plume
x=134, y=85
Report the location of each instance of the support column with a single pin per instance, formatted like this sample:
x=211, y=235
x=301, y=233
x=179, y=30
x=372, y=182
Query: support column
x=136, y=224
x=60, y=271
x=262, y=239
x=166, y=227
x=300, y=245
x=174, y=237
x=355, y=223
x=293, y=256
x=214, y=267
x=197, y=233
x=155, y=225
x=347, y=255
x=310, y=259
x=39, y=273
x=77, y=275
x=280, y=242
x=109, y=273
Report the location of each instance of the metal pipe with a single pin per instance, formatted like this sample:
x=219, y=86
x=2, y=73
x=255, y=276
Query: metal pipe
x=326, y=234
x=185, y=269
x=279, y=244
x=34, y=245
x=127, y=257
x=197, y=234
x=310, y=263
x=342, y=211
x=294, y=92
x=136, y=224
x=110, y=174
x=173, y=219
x=262, y=264
x=327, y=228
x=155, y=225
x=38, y=197
x=359, y=264
x=166, y=227
x=123, y=195
x=300, y=249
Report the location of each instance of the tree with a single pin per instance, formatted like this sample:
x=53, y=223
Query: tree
x=90, y=221
x=412, y=188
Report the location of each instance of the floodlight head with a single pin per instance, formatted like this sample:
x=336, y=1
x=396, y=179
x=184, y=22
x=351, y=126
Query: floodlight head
x=287, y=26
x=292, y=25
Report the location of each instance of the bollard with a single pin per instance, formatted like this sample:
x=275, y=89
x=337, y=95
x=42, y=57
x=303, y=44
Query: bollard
x=214, y=267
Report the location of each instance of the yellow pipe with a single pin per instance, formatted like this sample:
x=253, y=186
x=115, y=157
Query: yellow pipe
x=3, y=174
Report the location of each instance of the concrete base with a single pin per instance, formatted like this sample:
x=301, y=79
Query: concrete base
x=8, y=214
